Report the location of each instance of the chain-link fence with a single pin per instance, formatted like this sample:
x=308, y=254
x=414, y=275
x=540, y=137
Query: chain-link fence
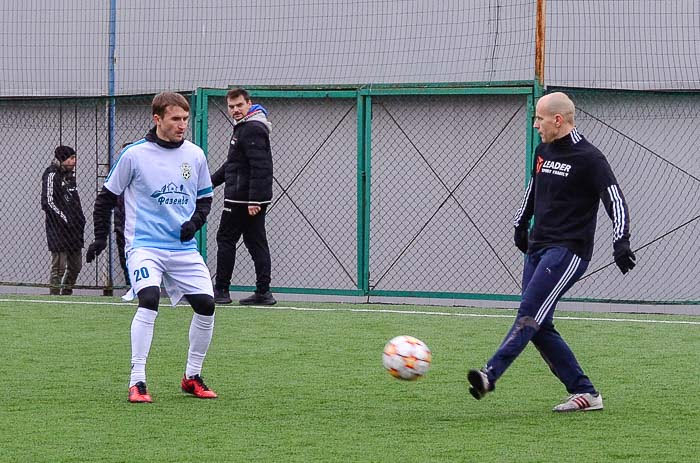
x=383, y=194
x=312, y=221
x=446, y=174
x=30, y=131
x=650, y=141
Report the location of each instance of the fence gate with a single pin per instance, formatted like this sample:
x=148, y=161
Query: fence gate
x=385, y=190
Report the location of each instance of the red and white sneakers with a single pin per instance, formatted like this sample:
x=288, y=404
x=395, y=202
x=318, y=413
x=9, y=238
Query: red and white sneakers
x=195, y=386
x=580, y=403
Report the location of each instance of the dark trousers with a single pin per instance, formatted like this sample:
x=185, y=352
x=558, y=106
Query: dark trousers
x=236, y=222
x=547, y=275
x=65, y=267
x=121, y=243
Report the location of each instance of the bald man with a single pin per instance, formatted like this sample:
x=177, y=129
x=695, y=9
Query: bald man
x=570, y=177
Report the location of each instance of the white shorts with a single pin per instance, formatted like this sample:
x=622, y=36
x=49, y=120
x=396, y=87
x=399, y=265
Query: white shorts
x=181, y=272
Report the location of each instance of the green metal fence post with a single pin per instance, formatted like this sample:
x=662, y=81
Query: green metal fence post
x=530, y=138
x=364, y=116
x=361, y=178
x=367, y=135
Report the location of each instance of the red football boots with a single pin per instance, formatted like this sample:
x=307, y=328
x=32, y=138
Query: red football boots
x=139, y=394
x=195, y=386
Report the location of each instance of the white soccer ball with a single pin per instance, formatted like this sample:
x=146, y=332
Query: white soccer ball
x=406, y=357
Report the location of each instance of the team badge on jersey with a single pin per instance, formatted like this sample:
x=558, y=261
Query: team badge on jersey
x=186, y=170
x=233, y=140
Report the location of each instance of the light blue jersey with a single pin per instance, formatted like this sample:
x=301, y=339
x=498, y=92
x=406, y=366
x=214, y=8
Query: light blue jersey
x=161, y=187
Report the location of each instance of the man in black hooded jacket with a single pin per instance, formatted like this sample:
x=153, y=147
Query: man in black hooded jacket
x=65, y=221
x=247, y=174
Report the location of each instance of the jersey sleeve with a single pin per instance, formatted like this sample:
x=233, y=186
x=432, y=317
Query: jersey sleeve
x=121, y=173
x=527, y=205
x=204, y=185
x=612, y=198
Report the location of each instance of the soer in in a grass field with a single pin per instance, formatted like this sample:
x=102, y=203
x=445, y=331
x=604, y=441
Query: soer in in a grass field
x=167, y=197
x=247, y=175
x=570, y=177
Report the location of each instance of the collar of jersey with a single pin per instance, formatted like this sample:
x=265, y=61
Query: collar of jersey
x=569, y=139
x=153, y=138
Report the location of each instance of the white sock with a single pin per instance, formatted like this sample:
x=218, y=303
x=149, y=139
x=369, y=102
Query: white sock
x=141, y=337
x=201, y=330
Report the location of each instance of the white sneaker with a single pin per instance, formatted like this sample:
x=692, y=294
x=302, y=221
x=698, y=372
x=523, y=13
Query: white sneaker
x=480, y=384
x=580, y=402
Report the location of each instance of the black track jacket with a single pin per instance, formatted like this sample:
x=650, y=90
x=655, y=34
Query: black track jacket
x=65, y=221
x=569, y=177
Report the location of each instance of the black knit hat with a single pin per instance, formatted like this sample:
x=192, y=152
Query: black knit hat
x=63, y=152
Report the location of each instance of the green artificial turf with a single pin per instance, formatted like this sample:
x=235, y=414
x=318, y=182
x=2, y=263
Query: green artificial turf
x=299, y=385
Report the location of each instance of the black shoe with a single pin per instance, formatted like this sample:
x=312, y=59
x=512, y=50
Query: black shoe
x=222, y=296
x=54, y=292
x=480, y=384
x=66, y=292
x=259, y=299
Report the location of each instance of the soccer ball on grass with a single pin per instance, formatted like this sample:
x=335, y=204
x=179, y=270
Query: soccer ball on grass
x=406, y=357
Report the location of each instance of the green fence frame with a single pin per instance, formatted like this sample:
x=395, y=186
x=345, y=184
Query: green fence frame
x=363, y=96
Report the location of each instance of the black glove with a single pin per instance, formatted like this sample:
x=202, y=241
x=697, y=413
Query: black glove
x=94, y=250
x=187, y=231
x=624, y=257
x=520, y=239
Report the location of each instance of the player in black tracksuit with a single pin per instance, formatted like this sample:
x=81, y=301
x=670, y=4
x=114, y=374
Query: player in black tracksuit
x=570, y=177
x=247, y=174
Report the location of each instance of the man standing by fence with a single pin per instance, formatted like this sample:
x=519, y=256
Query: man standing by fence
x=65, y=221
x=247, y=174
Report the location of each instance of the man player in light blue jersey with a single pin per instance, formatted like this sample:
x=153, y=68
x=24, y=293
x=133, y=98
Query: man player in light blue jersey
x=167, y=197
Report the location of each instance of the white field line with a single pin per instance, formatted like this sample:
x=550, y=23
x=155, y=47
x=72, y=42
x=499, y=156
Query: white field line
x=402, y=312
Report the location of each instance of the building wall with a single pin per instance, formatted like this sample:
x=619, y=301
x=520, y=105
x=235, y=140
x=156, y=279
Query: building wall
x=63, y=49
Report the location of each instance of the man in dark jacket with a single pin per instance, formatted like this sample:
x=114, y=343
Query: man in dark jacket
x=247, y=174
x=65, y=221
